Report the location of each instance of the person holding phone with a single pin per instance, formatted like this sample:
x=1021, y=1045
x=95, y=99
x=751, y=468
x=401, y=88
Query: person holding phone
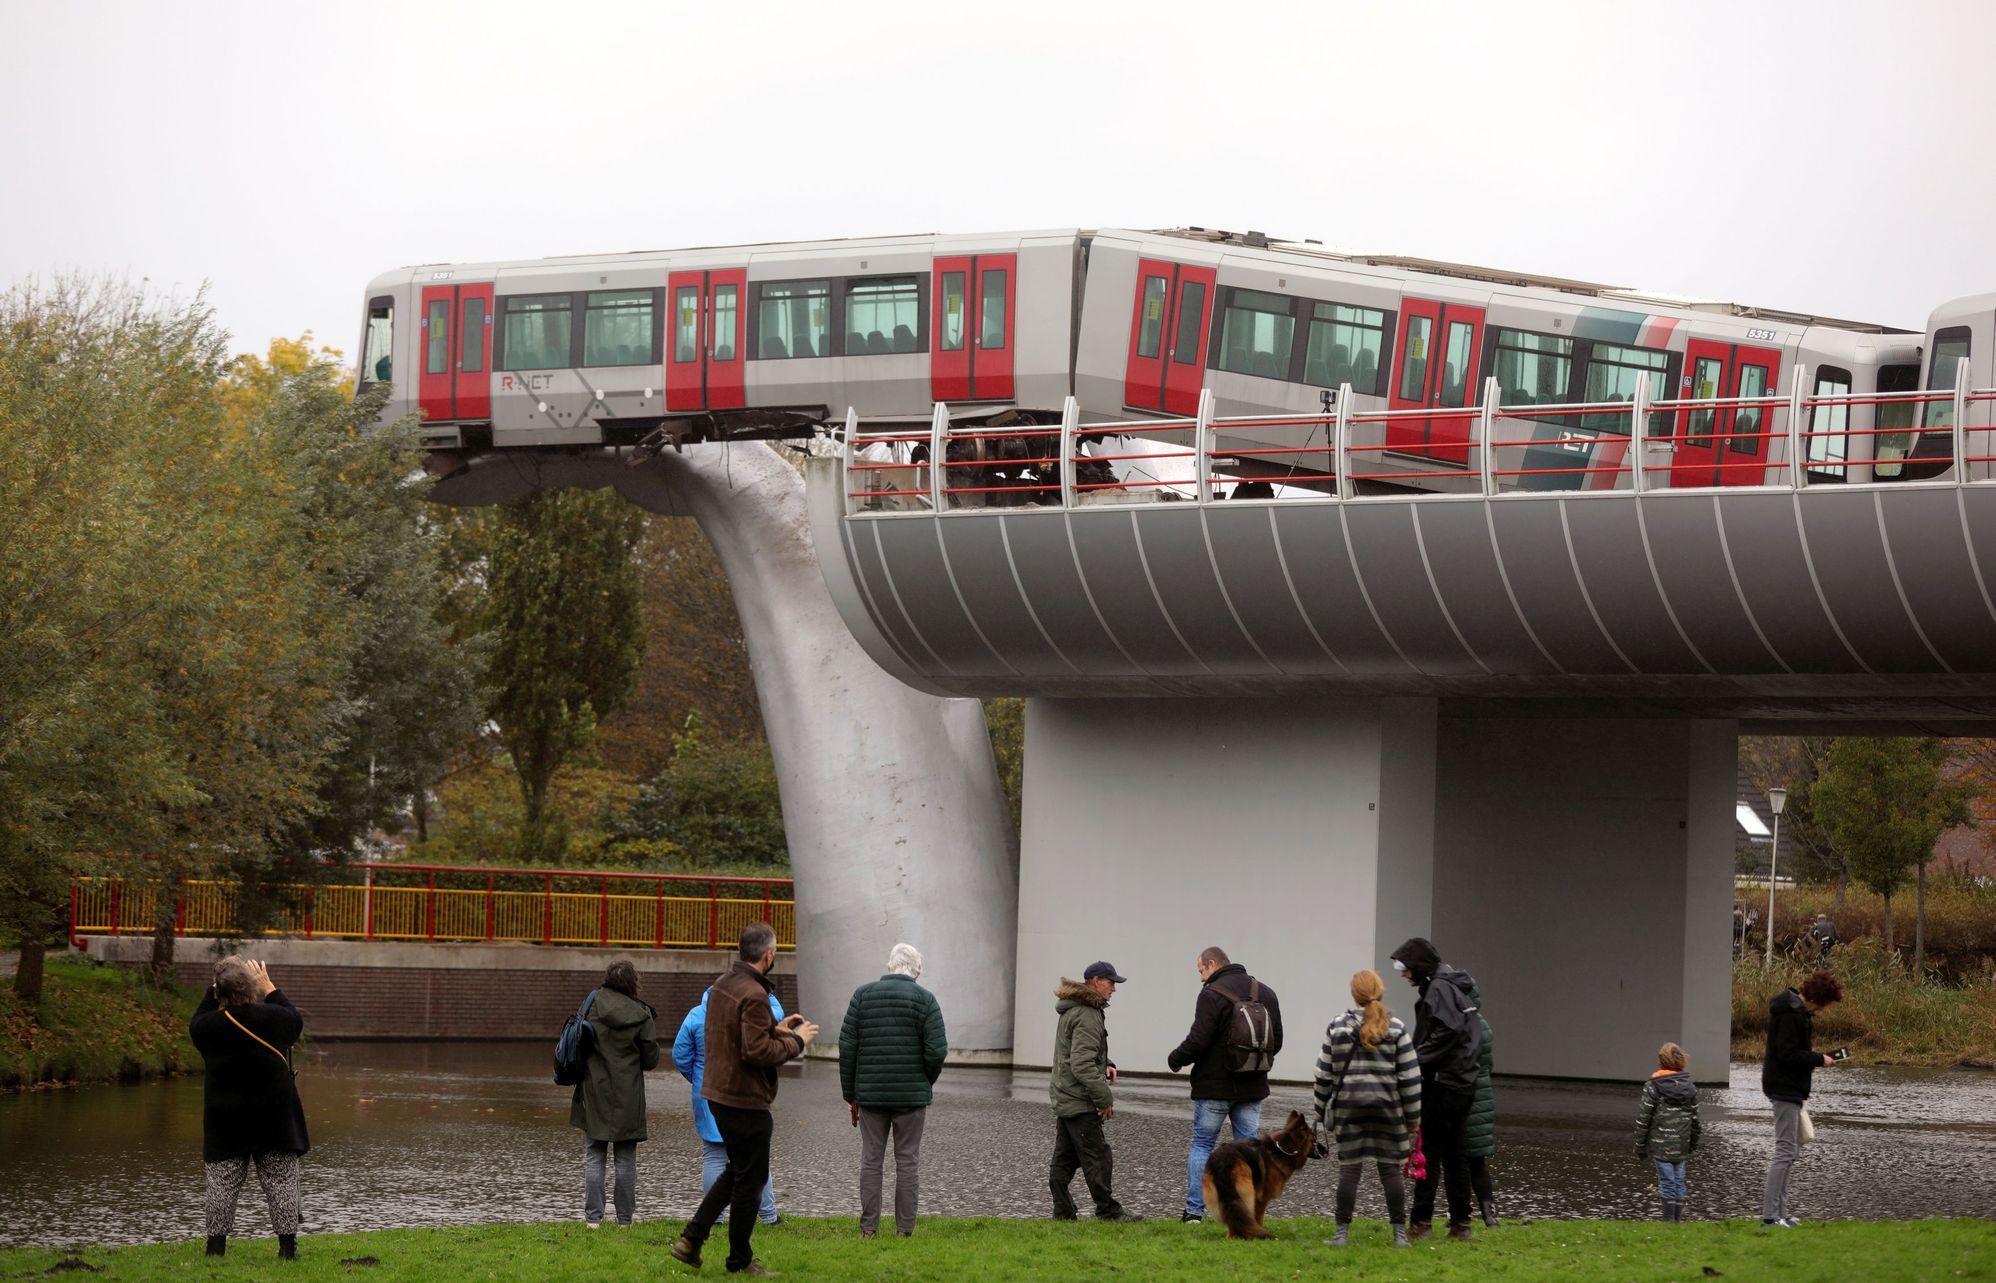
x=245, y=1029
x=745, y=1044
x=1786, y=1074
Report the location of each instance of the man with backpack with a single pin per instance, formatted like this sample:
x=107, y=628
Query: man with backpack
x=1236, y=1033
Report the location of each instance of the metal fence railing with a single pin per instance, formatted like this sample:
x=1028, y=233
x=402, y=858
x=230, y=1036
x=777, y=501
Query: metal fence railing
x=403, y=902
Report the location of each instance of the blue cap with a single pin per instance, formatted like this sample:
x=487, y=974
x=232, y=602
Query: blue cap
x=1099, y=970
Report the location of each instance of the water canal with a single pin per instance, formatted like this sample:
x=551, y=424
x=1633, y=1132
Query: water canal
x=413, y=1135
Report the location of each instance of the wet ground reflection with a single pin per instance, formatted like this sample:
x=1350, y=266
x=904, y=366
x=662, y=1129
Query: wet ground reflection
x=443, y=1134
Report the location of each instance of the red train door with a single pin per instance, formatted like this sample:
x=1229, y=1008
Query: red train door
x=973, y=312
x=1712, y=444
x=708, y=315
x=1441, y=348
x=455, y=357
x=1169, y=329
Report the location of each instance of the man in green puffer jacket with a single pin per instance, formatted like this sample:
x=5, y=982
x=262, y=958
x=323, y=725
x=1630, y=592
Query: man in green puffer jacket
x=891, y=1049
x=1081, y=1088
x=1482, y=1133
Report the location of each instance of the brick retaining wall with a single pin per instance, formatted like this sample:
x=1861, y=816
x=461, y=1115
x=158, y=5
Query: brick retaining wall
x=452, y=992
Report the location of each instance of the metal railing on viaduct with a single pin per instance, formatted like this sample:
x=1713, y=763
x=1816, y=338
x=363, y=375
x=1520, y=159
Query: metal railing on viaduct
x=447, y=903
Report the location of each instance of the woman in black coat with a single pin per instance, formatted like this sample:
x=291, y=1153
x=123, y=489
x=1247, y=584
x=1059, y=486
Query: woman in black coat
x=245, y=1029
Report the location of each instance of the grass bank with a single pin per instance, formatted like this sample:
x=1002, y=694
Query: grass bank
x=996, y=1250
x=1961, y=921
x=1887, y=1017
x=95, y=1023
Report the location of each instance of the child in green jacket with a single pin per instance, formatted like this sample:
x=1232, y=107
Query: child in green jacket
x=1667, y=1127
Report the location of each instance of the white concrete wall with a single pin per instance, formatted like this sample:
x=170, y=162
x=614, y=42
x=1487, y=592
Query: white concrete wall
x=1583, y=875
x=1156, y=827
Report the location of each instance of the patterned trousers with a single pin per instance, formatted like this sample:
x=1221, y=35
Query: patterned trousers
x=276, y=1172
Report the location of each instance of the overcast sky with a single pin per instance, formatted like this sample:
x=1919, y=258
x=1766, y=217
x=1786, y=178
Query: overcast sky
x=1828, y=157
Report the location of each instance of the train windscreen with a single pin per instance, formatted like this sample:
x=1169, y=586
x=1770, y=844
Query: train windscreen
x=377, y=346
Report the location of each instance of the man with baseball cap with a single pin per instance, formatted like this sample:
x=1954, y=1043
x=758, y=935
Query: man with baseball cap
x=1080, y=1088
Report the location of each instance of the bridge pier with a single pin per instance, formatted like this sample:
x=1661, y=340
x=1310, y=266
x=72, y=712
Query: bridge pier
x=1580, y=869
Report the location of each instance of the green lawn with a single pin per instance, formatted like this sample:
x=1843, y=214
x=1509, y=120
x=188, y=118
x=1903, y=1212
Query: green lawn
x=1622, y=1252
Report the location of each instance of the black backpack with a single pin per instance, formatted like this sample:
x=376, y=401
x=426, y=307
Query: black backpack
x=1250, y=1032
x=572, y=1049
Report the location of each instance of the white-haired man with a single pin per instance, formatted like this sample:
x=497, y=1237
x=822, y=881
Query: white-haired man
x=891, y=1048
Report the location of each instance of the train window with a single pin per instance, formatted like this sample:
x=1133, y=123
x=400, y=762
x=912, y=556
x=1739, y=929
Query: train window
x=954, y=285
x=1414, y=365
x=1150, y=336
x=471, y=343
x=616, y=328
x=1347, y=345
x=1828, y=445
x=377, y=350
x=1895, y=421
x=1611, y=376
x=1455, y=362
x=1704, y=386
x=883, y=315
x=686, y=324
x=535, y=336
x=991, y=309
x=1531, y=369
x=1257, y=333
x=1191, y=316
x=727, y=303
x=1950, y=346
x=436, y=359
x=1747, y=421
x=793, y=318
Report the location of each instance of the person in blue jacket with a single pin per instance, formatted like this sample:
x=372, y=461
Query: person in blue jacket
x=689, y=1053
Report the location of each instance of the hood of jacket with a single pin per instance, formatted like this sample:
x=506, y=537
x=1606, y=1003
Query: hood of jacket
x=1674, y=1088
x=1464, y=983
x=614, y=1010
x=1073, y=993
x=1787, y=1000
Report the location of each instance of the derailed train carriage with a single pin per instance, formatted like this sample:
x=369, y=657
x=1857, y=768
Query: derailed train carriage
x=780, y=340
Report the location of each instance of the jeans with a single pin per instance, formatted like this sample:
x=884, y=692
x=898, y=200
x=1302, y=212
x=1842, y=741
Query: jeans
x=1444, y=1133
x=745, y=1133
x=1079, y=1143
x=714, y=1161
x=1670, y=1182
x=627, y=1180
x=1787, y=1147
x=906, y=1127
x=1244, y=1116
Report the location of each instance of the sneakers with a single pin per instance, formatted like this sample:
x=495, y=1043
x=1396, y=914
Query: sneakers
x=591, y=1225
x=1790, y=1222
x=1785, y=1223
x=1400, y=1236
x=1190, y=1218
x=686, y=1252
x=1342, y=1238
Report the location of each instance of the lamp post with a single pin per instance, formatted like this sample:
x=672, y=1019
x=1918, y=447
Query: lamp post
x=1776, y=799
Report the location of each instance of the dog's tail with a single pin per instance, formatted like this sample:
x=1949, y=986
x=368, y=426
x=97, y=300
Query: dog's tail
x=1231, y=1193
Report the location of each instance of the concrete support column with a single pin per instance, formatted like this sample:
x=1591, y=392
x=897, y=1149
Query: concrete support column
x=1295, y=834
x=1582, y=873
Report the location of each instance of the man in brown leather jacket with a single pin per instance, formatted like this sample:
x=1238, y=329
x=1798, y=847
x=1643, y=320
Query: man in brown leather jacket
x=745, y=1044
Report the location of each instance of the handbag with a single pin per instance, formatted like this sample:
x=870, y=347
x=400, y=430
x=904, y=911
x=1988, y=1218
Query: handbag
x=1416, y=1168
x=1805, y=1128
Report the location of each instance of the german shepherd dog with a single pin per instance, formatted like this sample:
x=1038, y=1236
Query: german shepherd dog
x=1244, y=1176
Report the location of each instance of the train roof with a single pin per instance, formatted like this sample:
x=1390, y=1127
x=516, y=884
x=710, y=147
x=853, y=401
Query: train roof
x=1502, y=276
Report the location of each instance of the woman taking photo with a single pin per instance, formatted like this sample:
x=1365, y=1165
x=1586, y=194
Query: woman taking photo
x=609, y=1102
x=250, y=1112
x=1369, y=1098
x=1786, y=1075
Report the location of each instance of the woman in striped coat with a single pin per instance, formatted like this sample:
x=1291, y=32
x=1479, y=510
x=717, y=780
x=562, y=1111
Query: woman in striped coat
x=1369, y=1096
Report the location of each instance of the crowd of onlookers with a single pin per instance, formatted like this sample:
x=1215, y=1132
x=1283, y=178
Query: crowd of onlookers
x=1413, y=1103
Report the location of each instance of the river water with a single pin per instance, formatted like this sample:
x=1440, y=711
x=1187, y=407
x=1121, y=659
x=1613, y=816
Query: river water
x=414, y=1135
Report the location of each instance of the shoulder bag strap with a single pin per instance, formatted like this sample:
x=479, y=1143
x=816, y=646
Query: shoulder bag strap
x=230, y=1017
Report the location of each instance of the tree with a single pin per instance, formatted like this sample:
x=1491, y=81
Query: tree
x=1005, y=719
x=1794, y=764
x=563, y=604
x=1884, y=801
x=716, y=801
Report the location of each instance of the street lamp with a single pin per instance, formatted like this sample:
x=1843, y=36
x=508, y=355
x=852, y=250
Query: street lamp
x=1776, y=799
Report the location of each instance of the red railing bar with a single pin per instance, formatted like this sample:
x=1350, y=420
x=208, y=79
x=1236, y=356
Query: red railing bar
x=971, y=433
x=75, y=903
x=868, y=465
x=1115, y=458
x=430, y=908
x=1285, y=449
x=603, y=915
x=1130, y=485
x=713, y=917
x=1403, y=416
x=909, y=436
x=1398, y=476
x=1529, y=472
x=311, y=900
x=491, y=906
x=180, y=906
x=884, y=494
x=1003, y=463
x=117, y=903
x=658, y=918
x=1047, y=487
x=547, y=914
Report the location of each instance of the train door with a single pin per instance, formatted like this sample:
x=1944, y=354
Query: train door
x=1169, y=329
x=1719, y=446
x=1441, y=348
x=454, y=379
x=974, y=328
x=703, y=370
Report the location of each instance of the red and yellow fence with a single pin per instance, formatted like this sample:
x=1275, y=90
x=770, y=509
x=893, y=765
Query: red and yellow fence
x=450, y=903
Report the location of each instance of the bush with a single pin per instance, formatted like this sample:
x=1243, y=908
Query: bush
x=1961, y=920
x=716, y=801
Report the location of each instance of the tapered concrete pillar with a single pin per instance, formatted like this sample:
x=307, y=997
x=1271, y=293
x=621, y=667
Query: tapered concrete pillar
x=896, y=825
x=1295, y=834
x=1583, y=874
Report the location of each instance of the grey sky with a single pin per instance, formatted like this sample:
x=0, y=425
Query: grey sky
x=1832, y=157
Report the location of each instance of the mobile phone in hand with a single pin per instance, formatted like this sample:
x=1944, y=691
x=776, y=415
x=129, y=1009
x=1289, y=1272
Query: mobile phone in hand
x=1841, y=1053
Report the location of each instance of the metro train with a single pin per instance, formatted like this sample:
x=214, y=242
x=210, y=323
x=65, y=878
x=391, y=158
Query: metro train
x=778, y=340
